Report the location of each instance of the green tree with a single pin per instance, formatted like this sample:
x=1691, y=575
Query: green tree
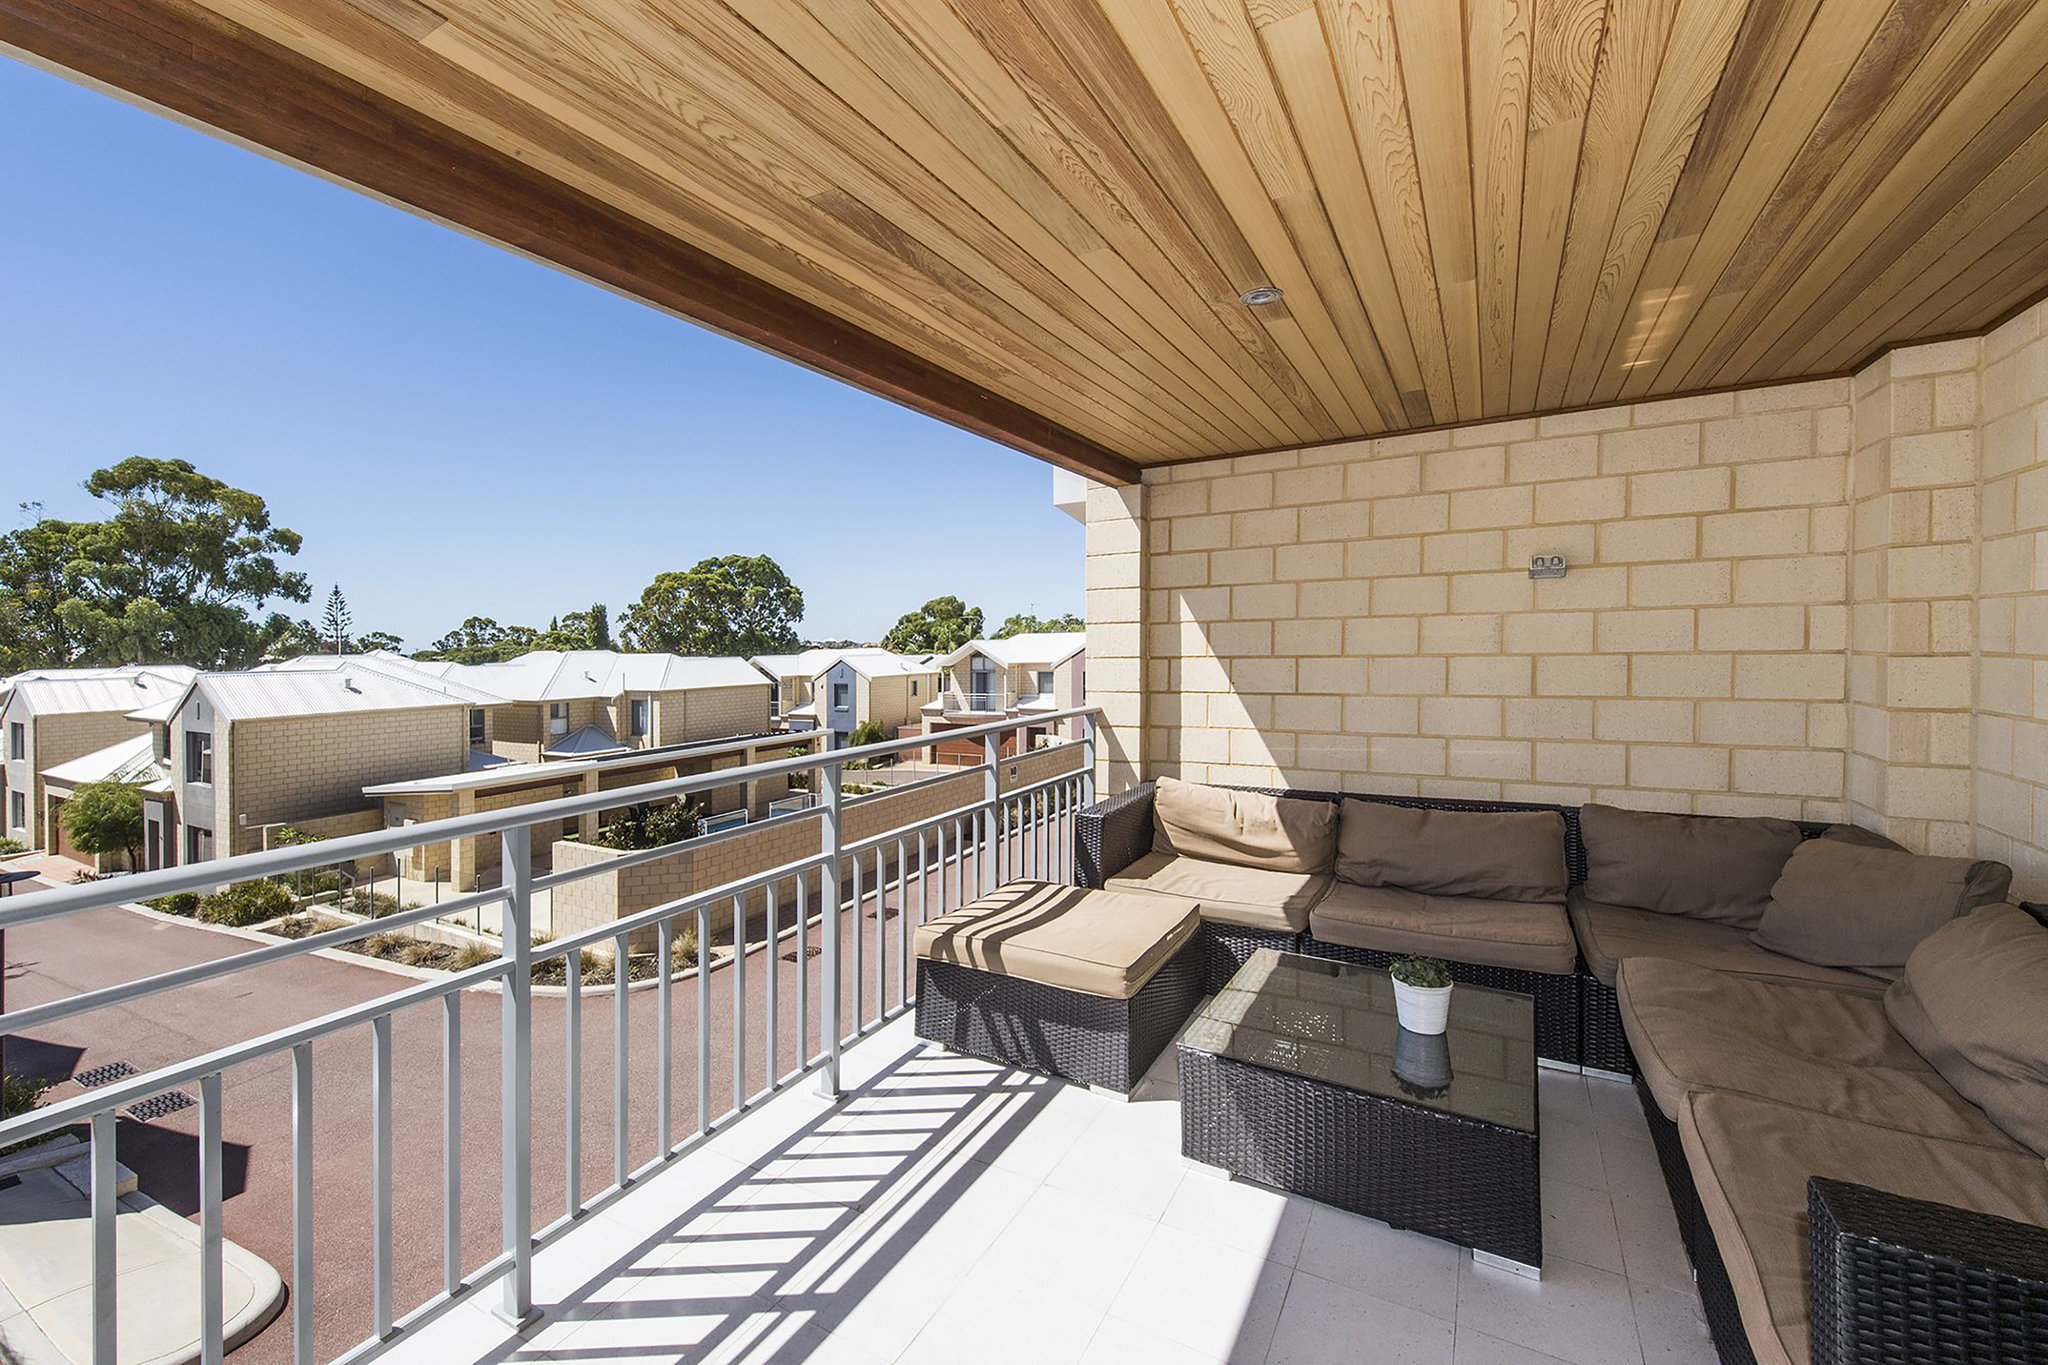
x=372, y=640
x=1024, y=623
x=589, y=629
x=940, y=626
x=335, y=621
x=738, y=604
x=36, y=579
x=480, y=640
x=106, y=817
x=176, y=573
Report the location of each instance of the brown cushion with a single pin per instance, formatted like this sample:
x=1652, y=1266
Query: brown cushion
x=1526, y=935
x=1974, y=1001
x=1228, y=892
x=1277, y=833
x=1751, y=1157
x=1839, y=904
x=1692, y=1028
x=1710, y=867
x=1609, y=933
x=1504, y=855
x=1095, y=942
x=1856, y=834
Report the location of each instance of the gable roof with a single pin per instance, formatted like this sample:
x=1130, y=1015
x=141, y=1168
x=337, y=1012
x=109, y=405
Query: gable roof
x=343, y=686
x=1035, y=649
x=132, y=760
x=86, y=691
x=870, y=661
x=578, y=674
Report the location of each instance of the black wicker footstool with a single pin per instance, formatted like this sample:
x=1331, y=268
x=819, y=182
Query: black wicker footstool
x=1298, y=1076
x=1086, y=985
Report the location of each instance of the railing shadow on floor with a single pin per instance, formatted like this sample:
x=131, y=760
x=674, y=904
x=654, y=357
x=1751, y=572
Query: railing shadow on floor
x=817, y=1275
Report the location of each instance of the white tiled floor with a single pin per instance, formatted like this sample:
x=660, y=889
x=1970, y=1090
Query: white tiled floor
x=950, y=1211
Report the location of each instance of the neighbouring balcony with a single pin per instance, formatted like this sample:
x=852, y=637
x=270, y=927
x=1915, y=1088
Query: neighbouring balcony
x=955, y=702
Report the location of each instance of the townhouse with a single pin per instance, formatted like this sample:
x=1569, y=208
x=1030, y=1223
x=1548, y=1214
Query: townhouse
x=50, y=717
x=1042, y=671
x=837, y=690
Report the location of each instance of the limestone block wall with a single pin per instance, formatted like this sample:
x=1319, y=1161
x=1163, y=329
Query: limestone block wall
x=59, y=738
x=2011, y=759
x=1361, y=616
x=287, y=770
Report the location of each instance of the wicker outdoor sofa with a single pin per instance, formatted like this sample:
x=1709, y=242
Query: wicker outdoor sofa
x=1849, y=1188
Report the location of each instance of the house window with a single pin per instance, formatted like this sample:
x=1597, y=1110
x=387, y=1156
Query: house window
x=639, y=716
x=17, y=740
x=198, y=844
x=198, y=757
x=1044, y=682
x=839, y=697
x=17, y=811
x=558, y=718
x=476, y=728
x=913, y=689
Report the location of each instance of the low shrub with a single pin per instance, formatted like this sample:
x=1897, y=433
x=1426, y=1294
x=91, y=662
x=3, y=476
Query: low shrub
x=471, y=955
x=245, y=904
x=10, y=847
x=18, y=1095
x=370, y=904
x=652, y=826
x=184, y=903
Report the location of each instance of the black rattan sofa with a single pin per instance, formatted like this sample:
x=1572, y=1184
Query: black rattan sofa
x=1115, y=833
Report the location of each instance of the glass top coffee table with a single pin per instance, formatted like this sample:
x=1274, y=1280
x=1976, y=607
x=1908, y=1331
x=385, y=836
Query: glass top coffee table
x=1299, y=1076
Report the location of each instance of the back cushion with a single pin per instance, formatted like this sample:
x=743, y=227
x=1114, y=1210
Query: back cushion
x=1840, y=904
x=1718, y=868
x=1499, y=855
x=1278, y=833
x=1974, y=1002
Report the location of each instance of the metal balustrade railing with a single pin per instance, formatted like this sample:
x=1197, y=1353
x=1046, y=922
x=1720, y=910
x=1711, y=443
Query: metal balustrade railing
x=928, y=866
x=953, y=700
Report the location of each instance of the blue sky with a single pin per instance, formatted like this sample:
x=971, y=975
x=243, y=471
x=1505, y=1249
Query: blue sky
x=453, y=429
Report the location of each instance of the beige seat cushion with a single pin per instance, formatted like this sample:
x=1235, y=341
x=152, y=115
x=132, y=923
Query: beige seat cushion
x=1710, y=867
x=1810, y=1045
x=1531, y=936
x=1505, y=855
x=1974, y=1001
x=1609, y=933
x=1096, y=942
x=1839, y=904
x=1218, y=824
x=1228, y=892
x=1751, y=1158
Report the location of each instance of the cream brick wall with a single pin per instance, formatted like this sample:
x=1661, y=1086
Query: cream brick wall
x=55, y=739
x=2011, y=757
x=1361, y=616
x=278, y=771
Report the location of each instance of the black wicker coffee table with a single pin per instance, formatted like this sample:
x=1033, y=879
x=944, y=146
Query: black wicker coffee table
x=1298, y=1076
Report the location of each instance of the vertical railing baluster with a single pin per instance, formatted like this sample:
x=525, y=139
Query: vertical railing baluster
x=828, y=930
x=302, y=1204
x=960, y=896
x=572, y=1083
x=704, y=1017
x=859, y=951
x=881, y=936
x=664, y=1022
x=903, y=920
x=803, y=975
x=105, y=1297
x=985, y=858
x=212, y=1284
x=380, y=1176
x=451, y=1142
x=769, y=961
x=1088, y=760
x=621, y=1080
x=739, y=1003
x=516, y=1054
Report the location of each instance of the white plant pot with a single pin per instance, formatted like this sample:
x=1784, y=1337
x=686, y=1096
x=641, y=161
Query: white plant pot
x=1422, y=1009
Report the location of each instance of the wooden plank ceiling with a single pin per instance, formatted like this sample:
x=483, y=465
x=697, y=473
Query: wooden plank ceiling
x=1041, y=213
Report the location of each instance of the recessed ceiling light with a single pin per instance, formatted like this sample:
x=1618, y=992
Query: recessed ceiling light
x=1259, y=295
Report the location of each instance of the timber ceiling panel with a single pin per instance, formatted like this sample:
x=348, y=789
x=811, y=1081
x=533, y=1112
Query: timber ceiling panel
x=1474, y=210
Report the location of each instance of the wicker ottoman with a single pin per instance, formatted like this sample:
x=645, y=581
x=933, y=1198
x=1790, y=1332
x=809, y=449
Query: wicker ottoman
x=1086, y=985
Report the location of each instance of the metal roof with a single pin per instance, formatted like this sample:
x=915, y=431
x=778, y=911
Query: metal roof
x=343, y=686
x=586, y=741
x=514, y=773
x=84, y=691
x=868, y=661
x=132, y=760
x=569, y=675
x=393, y=665
x=1040, y=648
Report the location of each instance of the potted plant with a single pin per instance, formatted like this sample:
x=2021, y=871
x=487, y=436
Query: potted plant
x=1422, y=993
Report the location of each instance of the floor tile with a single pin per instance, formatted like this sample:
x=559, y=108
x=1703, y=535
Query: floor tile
x=1324, y=1322
x=1188, y=1289
x=1615, y=1104
x=1242, y=1216
x=1477, y=1348
x=1578, y=1225
x=984, y=1320
x=1629, y=1161
x=1651, y=1251
x=1365, y=1254
x=1106, y=1164
x=1561, y=1096
x=1117, y=1342
x=1571, y=1151
x=1671, y=1328
x=1065, y=1246
x=1575, y=1312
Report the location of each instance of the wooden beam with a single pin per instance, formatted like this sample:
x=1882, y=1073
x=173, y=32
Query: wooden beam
x=215, y=73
